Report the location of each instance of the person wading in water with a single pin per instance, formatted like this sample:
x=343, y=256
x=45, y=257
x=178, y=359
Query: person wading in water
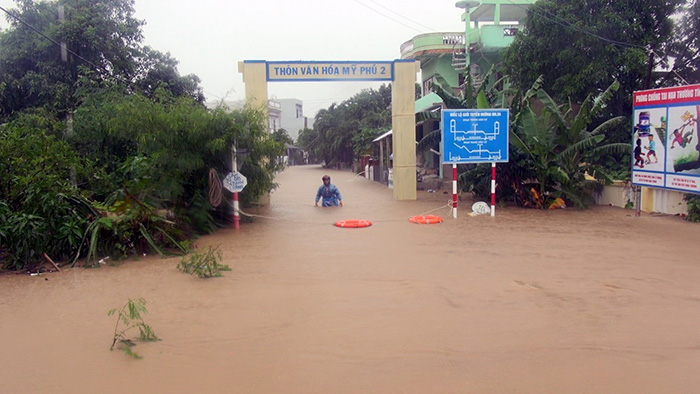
x=330, y=194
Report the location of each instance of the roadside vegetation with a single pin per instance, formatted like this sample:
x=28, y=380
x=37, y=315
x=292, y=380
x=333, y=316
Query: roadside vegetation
x=344, y=132
x=110, y=151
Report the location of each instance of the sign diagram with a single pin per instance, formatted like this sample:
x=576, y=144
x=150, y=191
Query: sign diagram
x=475, y=136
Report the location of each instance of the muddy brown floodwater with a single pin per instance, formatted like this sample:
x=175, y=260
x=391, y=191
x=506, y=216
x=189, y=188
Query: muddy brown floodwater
x=563, y=301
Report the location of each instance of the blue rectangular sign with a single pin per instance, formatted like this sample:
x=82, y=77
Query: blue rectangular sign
x=475, y=136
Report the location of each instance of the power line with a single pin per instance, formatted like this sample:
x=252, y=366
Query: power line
x=97, y=67
x=408, y=19
x=387, y=16
x=50, y=39
x=566, y=24
x=672, y=69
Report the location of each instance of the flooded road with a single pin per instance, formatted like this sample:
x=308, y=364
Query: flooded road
x=527, y=301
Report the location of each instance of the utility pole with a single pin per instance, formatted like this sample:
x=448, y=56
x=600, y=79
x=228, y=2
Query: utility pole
x=69, y=115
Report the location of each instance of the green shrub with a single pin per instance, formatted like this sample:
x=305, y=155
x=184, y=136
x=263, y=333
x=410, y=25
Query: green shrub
x=693, y=201
x=130, y=227
x=129, y=317
x=40, y=211
x=204, y=264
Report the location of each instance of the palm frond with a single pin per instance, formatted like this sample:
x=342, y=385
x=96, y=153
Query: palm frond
x=580, y=146
x=559, y=174
x=149, y=239
x=516, y=141
x=536, y=86
x=609, y=124
x=600, y=174
x=481, y=101
x=551, y=106
x=616, y=148
x=442, y=89
x=601, y=101
x=423, y=116
x=430, y=141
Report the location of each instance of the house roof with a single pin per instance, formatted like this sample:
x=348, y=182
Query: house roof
x=428, y=102
x=381, y=137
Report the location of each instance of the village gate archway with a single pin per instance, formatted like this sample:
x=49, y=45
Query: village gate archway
x=402, y=74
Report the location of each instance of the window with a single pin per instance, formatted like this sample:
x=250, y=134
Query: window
x=427, y=85
x=510, y=32
x=300, y=111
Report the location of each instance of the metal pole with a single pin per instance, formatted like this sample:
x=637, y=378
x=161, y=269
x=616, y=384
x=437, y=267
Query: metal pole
x=493, y=189
x=454, y=190
x=234, y=168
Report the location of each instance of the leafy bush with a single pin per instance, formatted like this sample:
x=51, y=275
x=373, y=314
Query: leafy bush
x=205, y=264
x=129, y=317
x=693, y=201
x=130, y=227
x=169, y=145
x=129, y=160
x=41, y=212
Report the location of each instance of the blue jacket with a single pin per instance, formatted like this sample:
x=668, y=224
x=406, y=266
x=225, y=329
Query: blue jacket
x=331, y=195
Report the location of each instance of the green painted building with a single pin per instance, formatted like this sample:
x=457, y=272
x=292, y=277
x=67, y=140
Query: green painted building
x=490, y=26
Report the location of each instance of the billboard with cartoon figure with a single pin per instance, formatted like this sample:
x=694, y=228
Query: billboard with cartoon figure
x=666, y=140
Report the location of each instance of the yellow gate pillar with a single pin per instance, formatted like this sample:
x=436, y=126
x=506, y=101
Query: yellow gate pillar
x=255, y=81
x=256, y=74
x=403, y=123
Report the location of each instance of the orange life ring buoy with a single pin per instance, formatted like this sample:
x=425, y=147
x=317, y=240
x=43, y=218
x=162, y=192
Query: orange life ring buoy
x=425, y=219
x=353, y=223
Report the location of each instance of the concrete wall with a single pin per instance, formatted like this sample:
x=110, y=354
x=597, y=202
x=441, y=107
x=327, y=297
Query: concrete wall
x=653, y=200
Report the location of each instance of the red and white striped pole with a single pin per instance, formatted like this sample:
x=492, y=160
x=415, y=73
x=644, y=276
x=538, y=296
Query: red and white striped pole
x=454, y=190
x=493, y=189
x=236, y=216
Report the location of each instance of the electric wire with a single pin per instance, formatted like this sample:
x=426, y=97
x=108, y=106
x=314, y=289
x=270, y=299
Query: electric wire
x=95, y=66
x=387, y=16
x=406, y=18
x=566, y=24
x=672, y=70
x=51, y=39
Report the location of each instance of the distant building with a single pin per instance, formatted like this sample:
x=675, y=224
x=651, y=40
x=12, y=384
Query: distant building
x=293, y=119
x=490, y=26
x=274, y=115
x=285, y=114
x=274, y=111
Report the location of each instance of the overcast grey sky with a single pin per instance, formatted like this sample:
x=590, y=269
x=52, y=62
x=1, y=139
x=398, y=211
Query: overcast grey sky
x=210, y=37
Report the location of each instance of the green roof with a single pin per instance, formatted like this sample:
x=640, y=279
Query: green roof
x=428, y=102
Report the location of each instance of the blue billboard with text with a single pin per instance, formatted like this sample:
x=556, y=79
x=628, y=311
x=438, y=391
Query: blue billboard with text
x=475, y=136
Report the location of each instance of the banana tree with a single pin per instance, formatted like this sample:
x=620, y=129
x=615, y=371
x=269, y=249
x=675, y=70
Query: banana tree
x=559, y=145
